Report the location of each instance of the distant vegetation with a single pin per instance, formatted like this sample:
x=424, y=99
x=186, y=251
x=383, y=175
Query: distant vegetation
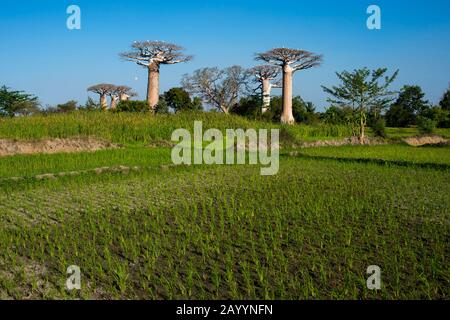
x=409, y=109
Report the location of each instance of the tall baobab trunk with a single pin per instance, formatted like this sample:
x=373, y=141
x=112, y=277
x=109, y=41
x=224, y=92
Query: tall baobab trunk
x=266, y=88
x=153, y=86
x=103, y=102
x=114, y=100
x=287, y=117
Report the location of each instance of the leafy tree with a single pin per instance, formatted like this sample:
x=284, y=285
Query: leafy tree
x=13, y=103
x=67, y=107
x=162, y=106
x=249, y=106
x=90, y=105
x=408, y=106
x=336, y=115
x=442, y=117
x=445, y=101
x=179, y=99
x=362, y=91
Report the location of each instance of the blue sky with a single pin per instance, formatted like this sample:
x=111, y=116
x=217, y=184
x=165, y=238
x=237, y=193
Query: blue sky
x=40, y=55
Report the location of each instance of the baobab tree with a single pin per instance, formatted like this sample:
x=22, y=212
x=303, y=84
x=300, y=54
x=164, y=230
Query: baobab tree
x=151, y=55
x=125, y=92
x=290, y=61
x=219, y=88
x=102, y=89
x=264, y=76
x=120, y=93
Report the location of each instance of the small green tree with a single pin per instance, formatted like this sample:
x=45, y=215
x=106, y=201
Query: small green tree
x=14, y=103
x=67, y=107
x=408, y=106
x=179, y=99
x=90, y=105
x=362, y=90
x=445, y=101
x=249, y=106
x=162, y=107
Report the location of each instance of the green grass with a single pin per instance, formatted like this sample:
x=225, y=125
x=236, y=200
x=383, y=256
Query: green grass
x=142, y=129
x=31, y=165
x=133, y=128
x=221, y=232
x=390, y=152
x=409, y=132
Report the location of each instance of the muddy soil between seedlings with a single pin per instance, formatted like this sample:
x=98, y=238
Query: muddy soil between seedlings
x=57, y=145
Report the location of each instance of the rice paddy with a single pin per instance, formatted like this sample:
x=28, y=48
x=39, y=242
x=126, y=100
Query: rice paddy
x=220, y=232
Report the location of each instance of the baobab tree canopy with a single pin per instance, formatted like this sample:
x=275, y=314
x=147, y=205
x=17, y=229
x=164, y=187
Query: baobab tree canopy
x=151, y=54
x=102, y=88
x=268, y=72
x=296, y=59
x=147, y=52
x=122, y=91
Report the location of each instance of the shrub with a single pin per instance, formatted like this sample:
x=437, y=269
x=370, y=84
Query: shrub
x=426, y=125
x=132, y=106
x=378, y=126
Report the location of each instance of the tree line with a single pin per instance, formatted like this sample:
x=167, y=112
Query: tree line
x=362, y=98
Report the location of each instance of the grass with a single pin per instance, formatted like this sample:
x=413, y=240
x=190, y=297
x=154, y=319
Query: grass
x=142, y=129
x=408, y=132
x=31, y=165
x=132, y=128
x=221, y=232
x=389, y=152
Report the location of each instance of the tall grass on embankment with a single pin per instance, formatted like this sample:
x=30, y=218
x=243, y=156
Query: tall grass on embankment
x=131, y=128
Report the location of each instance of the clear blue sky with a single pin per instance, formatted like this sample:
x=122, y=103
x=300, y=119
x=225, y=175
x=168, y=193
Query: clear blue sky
x=40, y=55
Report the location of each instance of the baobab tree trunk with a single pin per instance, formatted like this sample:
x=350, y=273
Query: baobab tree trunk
x=287, y=116
x=114, y=100
x=103, y=102
x=153, y=86
x=266, y=88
